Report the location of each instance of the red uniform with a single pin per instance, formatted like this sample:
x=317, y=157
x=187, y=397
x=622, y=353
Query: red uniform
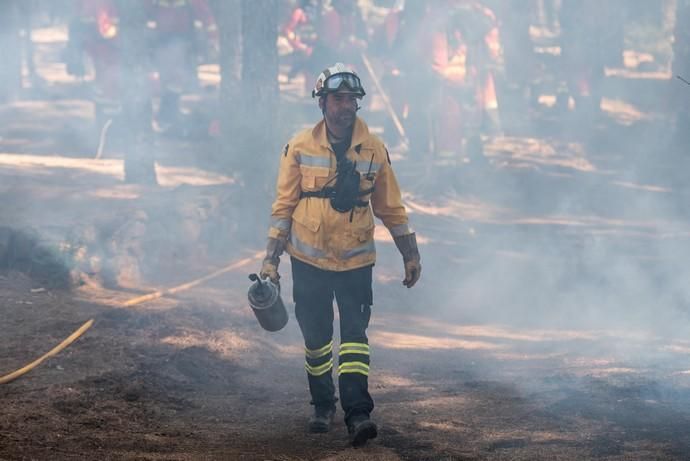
x=178, y=16
x=98, y=29
x=176, y=48
x=585, y=32
x=300, y=30
x=462, y=53
x=342, y=34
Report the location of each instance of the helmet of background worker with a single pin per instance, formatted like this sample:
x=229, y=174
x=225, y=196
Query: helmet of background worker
x=340, y=78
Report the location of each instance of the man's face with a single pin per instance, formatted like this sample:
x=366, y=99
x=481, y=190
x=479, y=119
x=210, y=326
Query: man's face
x=340, y=109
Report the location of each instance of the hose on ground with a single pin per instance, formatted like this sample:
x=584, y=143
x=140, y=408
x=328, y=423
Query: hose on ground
x=138, y=300
x=70, y=339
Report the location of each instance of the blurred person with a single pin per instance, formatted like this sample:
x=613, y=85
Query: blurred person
x=465, y=52
x=301, y=33
x=79, y=23
x=176, y=49
x=518, y=51
x=584, y=28
x=95, y=32
x=386, y=35
x=402, y=45
x=387, y=46
x=323, y=218
x=342, y=34
x=114, y=34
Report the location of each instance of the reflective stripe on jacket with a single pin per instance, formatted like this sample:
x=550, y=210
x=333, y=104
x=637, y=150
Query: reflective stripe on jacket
x=316, y=233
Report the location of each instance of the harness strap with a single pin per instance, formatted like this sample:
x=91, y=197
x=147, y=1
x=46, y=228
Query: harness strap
x=329, y=192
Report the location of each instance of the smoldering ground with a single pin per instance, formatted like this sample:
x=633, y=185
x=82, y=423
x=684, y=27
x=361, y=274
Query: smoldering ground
x=549, y=321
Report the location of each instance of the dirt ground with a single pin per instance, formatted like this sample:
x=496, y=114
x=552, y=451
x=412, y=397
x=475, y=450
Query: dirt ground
x=457, y=374
x=192, y=376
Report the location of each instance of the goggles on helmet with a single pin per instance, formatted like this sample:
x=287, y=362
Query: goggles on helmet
x=337, y=81
x=345, y=80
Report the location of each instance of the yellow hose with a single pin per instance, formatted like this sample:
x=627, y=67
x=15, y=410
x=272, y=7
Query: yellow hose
x=70, y=339
x=187, y=286
x=138, y=300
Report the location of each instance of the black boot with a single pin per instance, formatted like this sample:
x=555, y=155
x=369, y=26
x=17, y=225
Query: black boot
x=321, y=421
x=361, y=429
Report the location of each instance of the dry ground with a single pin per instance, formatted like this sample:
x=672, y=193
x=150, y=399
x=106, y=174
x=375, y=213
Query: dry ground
x=192, y=376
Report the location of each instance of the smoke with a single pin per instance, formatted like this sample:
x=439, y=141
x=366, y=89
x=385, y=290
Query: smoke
x=572, y=217
x=577, y=222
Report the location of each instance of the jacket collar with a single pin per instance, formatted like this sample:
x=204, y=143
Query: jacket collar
x=360, y=133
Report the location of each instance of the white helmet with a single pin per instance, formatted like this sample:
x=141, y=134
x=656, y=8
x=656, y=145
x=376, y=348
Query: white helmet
x=336, y=77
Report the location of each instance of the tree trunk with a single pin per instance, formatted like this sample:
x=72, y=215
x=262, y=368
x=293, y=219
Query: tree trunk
x=228, y=15
x=248, y=105
x=136, y=94
x=258, y=145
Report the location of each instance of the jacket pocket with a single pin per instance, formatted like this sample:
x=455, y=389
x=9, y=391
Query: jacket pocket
x=365, y=234
x=358, y=242
x=312, y=223
x=313, y=178
x=362, y=228
x=307, y=237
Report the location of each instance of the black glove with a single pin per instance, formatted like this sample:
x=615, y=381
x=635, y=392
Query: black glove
x=269, y=268
x=407, y=245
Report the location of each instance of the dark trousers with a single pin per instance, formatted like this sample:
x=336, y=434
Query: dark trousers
x=313, y=291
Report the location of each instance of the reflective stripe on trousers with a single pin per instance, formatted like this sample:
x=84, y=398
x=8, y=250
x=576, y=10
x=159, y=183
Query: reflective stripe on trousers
x=313, y=291
x=353, y=358
x=319, y=361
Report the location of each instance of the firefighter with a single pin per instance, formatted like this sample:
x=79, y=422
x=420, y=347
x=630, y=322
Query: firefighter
x=176, y=49
x=584, y=33
x=464, y=52
x=396, y=44
x=300, y=32
x=95, y=31
x=333, y=179
x=342, y=32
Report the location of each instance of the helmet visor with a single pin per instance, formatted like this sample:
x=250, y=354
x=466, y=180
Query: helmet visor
x=347, y=80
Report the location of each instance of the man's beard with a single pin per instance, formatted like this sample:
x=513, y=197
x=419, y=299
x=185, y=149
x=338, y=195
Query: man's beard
x=345, y=118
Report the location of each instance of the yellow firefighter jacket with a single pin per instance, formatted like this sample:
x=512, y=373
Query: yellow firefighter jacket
x=316, y=233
